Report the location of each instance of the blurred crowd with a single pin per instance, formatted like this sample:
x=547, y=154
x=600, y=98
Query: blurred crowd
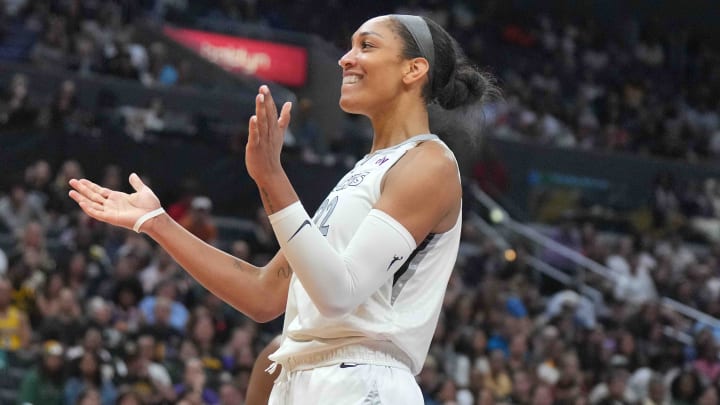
x=94, y=314
x=93, y=37
x=637, y=86
x=91, y=310
x=511, y=335
x=570, y=82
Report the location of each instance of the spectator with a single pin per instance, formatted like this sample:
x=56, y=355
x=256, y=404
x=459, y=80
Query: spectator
x=138, y=378
x=44, y=383
x=428, y=379
x=127, y=316
x=92, y=342
x=707, y=364
x=181, y=206
x=161, y=268
x=63, y=106
x=86, y=375
x=656, y=392
x=497, y=379
x=166, y=296
x=16, y=110
x=15, y=329
x=238, y=352
x=38, y=178
x=201, y=330
x=199, y=221
x=581, y=309
x=194, y=387
x=307, y=133
x=50, y=52
x=230, y=394
x=85, y=59
x=48, y=297
x=635, y=287
x=522, y=385
x=614, y=391
x=686, y=388
x=66, y=326
x=19, y=208
x=148, y=349
x=162, y=328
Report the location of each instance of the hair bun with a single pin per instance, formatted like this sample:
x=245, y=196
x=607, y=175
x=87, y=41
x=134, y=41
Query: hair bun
x=466, y=86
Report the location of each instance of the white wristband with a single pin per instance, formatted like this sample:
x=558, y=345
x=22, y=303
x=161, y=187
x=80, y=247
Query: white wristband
x=145, y=217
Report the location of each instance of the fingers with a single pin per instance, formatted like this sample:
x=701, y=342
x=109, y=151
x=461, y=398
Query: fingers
x=270, y=108
x=90, y=190
x=92, y=208
x=253, y=136
x=262, y=124
x=136, y=183
x=284, y=119
x=261, y=115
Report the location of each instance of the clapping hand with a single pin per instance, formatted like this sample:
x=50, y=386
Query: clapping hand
x=266, y=136
x=114, y=207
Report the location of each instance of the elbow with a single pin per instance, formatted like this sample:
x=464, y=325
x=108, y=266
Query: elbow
x=264, y=314
x=261, y=312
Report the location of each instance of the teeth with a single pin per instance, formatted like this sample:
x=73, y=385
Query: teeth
x=351, y=79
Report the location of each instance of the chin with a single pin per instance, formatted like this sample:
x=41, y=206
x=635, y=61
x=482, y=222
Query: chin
x=348, y=106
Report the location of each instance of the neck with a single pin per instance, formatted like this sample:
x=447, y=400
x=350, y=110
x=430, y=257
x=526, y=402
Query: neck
x=395, y=125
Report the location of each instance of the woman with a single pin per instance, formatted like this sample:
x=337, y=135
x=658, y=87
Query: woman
x=87, y=375
x=44, y=383
x=362, y=287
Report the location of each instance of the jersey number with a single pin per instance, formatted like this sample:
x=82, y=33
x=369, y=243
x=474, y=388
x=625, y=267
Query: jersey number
x=326, y=209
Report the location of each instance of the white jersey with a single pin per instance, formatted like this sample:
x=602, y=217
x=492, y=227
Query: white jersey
x=403, y=313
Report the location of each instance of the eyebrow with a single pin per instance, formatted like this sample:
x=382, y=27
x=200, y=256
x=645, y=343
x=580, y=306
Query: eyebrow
x=366, y=33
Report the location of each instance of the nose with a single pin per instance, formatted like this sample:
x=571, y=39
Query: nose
x=347, y=60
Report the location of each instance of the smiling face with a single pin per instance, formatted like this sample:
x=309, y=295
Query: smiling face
x=373, y=68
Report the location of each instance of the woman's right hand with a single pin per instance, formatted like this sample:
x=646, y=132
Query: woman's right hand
x=114, y=207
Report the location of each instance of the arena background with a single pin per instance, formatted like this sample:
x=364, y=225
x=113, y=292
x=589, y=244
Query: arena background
x=588, y=271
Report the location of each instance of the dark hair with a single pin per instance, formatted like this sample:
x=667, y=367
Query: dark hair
x=454, y=81
x=75, y=370
x=455, y=91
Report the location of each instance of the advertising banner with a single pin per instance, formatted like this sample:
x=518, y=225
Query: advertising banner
x=284, y=64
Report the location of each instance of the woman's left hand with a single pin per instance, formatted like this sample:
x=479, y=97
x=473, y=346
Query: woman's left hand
x=266, y=133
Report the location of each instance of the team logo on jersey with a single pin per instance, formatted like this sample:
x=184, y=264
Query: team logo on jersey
x=351, y=181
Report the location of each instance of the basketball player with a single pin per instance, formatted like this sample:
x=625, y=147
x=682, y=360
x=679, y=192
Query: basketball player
x=362, y=281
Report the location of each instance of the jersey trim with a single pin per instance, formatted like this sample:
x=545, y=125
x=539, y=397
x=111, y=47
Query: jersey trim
x=409, y=268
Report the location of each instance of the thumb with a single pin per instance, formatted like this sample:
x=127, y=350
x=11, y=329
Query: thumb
x=136, y=183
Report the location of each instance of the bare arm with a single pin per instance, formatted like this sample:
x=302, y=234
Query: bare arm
x=258, y=292
x=261, y=382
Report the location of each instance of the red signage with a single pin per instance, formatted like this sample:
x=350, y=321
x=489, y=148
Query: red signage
x=280, y=63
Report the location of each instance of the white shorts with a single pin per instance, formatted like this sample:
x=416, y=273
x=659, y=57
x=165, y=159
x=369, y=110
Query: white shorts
x=347, y=384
